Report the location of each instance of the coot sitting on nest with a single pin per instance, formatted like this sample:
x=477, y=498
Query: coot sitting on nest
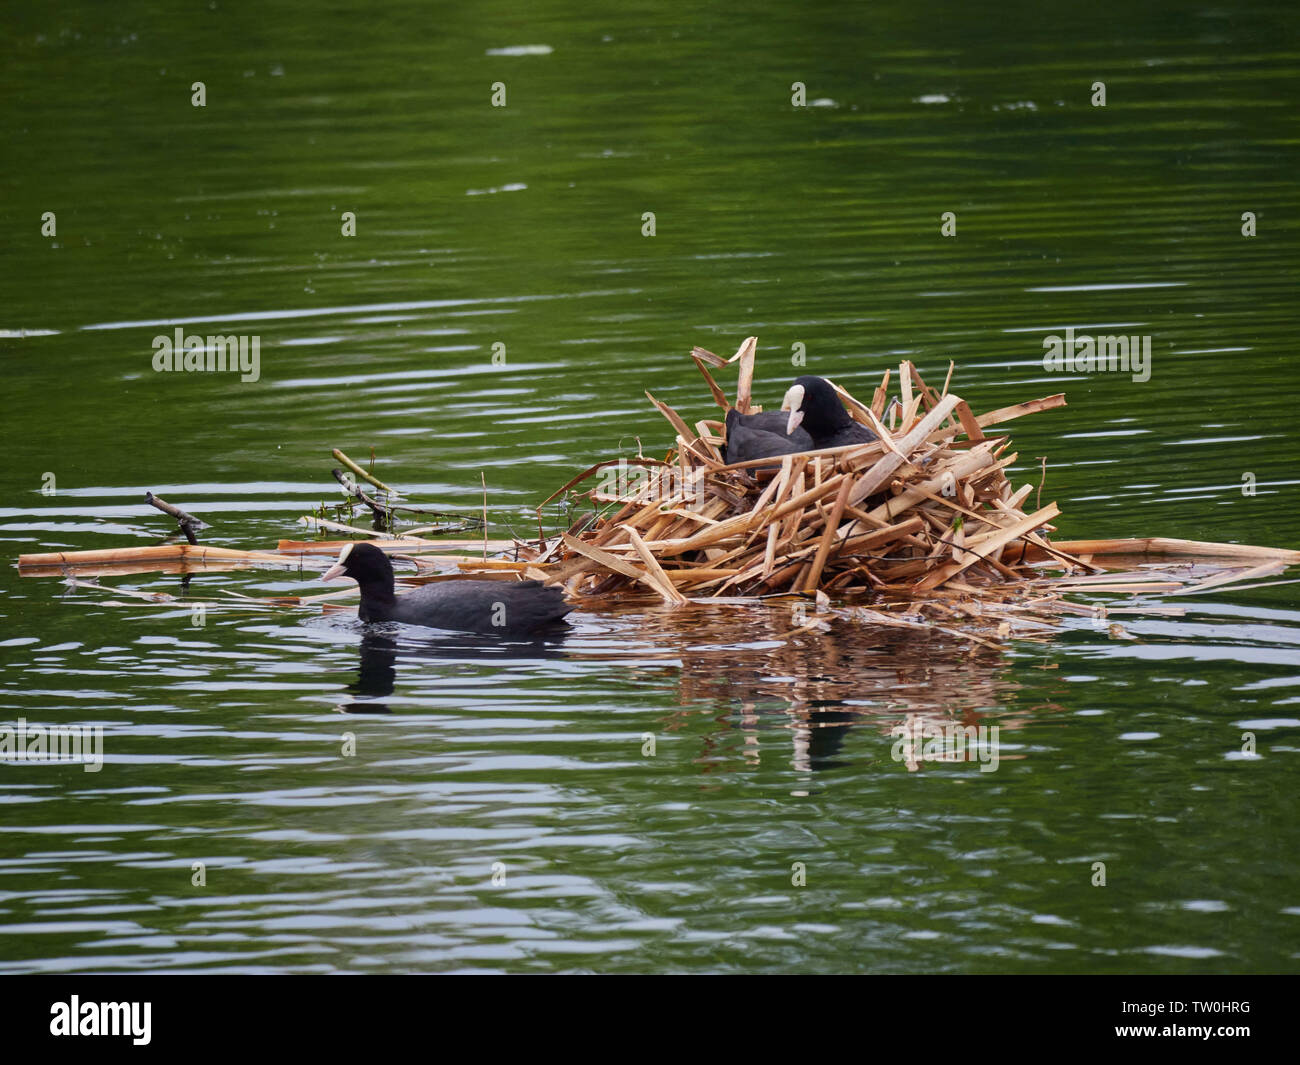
x=813, y=404
x=762, y=436
x=503, y=608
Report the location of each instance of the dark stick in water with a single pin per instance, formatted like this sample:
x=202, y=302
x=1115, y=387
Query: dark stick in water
x=188, y=523
x=357, y=492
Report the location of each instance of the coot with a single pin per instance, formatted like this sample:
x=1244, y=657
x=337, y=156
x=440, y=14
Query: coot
x=503, y=608
x=761, y=436
x=814, y=405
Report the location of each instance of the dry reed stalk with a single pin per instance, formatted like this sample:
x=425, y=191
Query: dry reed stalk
x=154, y=553
x=405, y=545
x=745, y=380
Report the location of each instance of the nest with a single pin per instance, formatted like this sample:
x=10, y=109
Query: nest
x=925, y=506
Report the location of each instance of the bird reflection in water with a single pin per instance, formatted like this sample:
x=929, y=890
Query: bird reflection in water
x=763, y=680
x=817, y=685
x=381, y=645
x=376, y=675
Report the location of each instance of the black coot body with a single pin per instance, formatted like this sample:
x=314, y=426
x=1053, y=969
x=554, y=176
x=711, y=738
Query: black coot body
x=762, y=436
x=814, y=406
x=502, y=608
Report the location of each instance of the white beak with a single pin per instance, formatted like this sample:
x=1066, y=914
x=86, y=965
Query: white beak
x=336, y=570
x=793, y=402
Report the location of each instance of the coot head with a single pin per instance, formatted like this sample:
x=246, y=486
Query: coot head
x=812, y=402
x=365, y=564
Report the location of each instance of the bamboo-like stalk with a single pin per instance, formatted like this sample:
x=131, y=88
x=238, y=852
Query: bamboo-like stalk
x=313, y=522
x=364, y=474
x=1159, y=546
x=876, y=477
x=828, y=536
x=152, y=553
x=656, y=574
x=719, y=397
x=745, y=379
x=1005, y=414
x=407, y=545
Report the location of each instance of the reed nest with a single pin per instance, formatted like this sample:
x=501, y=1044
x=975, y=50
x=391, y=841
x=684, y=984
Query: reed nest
x=927, y=505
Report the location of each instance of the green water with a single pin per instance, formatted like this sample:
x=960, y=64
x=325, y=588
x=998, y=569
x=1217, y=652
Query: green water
x=522, y=226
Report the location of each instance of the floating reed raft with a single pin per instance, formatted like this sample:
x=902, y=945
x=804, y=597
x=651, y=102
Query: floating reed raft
x=924, y=518
x=927, y=508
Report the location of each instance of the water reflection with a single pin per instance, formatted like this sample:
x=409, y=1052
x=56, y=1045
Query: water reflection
x=376, y=676
x=381, y=646
x=799, y=695
x=815, y=687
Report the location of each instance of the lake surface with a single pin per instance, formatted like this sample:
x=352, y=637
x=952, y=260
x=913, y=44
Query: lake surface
x=499, y=813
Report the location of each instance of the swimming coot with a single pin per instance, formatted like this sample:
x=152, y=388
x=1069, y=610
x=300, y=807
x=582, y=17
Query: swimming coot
x=503, y=608
x=762, y=436
x=813, y=404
